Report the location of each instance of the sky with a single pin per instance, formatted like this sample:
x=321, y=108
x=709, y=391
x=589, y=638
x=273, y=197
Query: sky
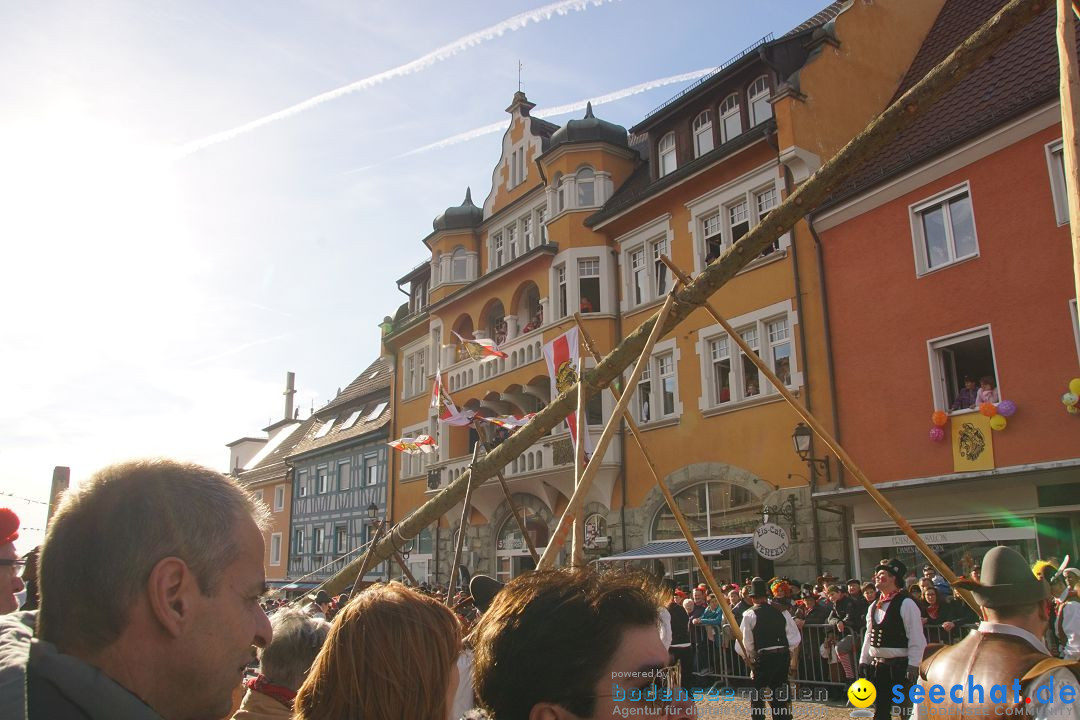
x=197, y=197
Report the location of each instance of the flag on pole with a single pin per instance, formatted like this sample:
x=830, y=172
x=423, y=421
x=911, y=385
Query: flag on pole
x=481, y=348
x=563, y=355
x=509, y=422
x=415, y=446
x=448, y=411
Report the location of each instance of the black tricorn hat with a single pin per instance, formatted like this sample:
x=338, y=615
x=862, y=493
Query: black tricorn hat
x=483, y=590
x=759, y=587
x=1006, y=580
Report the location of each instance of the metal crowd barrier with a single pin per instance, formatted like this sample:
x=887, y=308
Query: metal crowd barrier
x=827, y=658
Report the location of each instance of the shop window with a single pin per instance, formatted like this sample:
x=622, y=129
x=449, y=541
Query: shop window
x=711, y=509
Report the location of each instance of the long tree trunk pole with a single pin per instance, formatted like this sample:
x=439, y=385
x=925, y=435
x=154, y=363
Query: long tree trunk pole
x=547, y=560
x=509, y=500
x=714, y=586
x=897, y=117
x=887, y=507
x=404, y=568
x=577, y=551
x=461, y=526
x=1070, y=90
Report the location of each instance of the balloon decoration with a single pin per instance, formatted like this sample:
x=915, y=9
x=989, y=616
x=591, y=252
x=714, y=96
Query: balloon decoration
x=1071, y=399
x=1007, y=408
x=988, y=409
x=937, y=434
x=998, y=422
x=939, y=418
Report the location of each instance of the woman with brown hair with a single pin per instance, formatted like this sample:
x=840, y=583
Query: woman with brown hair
x=391, y=653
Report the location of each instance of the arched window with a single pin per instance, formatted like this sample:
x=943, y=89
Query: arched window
x=711, y=509
x=586, y=191
x=458, y=265
x=703, y=137
x=730, y=118
x=560, y=192
x=760, y=107
x=666, y=151
x=595, y=532
x=511, y=552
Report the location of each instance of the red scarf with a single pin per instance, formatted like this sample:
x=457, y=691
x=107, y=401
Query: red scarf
x=260, y=684
x=886, y=597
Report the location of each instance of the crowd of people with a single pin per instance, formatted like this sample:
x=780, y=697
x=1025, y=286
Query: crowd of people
x=151, y=603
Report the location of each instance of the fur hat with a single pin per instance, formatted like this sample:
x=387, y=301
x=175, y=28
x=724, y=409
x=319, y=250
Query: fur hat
x=1006, y=580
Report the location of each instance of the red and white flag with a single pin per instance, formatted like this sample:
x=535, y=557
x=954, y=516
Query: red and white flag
x=563, y=355
x=510, y=422
x=415, y=446
x=481, y=348
x=448, y=411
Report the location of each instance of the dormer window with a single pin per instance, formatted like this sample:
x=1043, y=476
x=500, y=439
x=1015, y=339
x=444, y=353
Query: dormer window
x=418, y=295
x=703, y=137
x=730, y=118
x=760, y=107
x=666, y=151
x=586, y=187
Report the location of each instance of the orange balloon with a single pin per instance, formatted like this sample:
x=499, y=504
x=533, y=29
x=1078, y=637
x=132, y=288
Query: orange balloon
x=988, y=409
x=939, y=417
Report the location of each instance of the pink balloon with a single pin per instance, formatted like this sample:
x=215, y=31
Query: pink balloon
x=937, y=434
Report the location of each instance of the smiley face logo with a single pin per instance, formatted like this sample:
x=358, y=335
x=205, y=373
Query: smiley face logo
x=862, y=693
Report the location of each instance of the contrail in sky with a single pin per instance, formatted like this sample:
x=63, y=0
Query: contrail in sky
x=517, y=22
x=546, y=112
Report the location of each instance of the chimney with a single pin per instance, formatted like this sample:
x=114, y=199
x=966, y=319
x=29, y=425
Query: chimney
x=290, y=390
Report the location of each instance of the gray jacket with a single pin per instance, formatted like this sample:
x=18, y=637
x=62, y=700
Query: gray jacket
x=39, y=683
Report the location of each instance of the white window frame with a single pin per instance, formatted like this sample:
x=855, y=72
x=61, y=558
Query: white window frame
x=747, y=187
x=708, y=401
x=344, y=475
x=527, y=236
x=511, y=241
x=1057, y=180
x=703, y=134
x=645, y=239
x=541, y=224
x=727, y=112
x=664, y=349
x=581, y=264
x=371, y=462
x=562, y=292
x=318, y=540
x=934, y=346
x=459, y=254
x=758, y=91
x=279, y=498
x=585, y=176
x=665, y=149
x=498, y=251
x=1075, y=316
x=301, y=483
x=415, y=369
x=915, y=213
x=275, y=549
x=298, y=541
x=341, y=532
x=322, y=480
x=258, y=495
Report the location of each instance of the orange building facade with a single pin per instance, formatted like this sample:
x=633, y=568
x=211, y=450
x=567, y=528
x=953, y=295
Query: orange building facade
x=952, y=259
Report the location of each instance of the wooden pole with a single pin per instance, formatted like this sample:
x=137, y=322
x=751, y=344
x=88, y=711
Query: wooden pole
x=577, y=549
x=404, y=568
x=714, y=586
x=968, y=56
x=461, y=529
x=578, y=499
x=886, y=506
x=509, y=500
x=1070, y=119
x=367, y=562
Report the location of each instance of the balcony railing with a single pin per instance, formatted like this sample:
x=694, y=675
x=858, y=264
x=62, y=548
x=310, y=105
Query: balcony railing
x=523, y=350
x=553, y=452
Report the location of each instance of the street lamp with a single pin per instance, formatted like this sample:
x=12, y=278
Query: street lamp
x=785, y=510
x=801, y=439
x=372, y=511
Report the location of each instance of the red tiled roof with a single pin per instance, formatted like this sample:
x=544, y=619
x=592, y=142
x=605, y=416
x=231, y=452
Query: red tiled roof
x=1020, y=76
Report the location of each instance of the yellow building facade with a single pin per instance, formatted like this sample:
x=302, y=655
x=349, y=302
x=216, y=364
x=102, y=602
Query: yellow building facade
x=576, y=219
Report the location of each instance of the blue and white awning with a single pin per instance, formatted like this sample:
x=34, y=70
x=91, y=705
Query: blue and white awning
x=659, y=549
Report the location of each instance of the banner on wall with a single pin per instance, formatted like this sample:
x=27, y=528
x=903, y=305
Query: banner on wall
x=972, y=443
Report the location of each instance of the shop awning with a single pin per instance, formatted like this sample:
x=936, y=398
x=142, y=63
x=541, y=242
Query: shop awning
x=659, y=549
